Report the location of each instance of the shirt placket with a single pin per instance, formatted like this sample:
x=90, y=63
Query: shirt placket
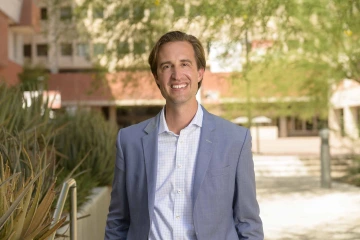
x=179, y=186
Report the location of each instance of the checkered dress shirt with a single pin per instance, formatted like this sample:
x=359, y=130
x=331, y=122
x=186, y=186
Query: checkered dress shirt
x=175, y=175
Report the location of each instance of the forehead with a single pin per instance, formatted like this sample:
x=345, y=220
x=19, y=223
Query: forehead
x=176, y=48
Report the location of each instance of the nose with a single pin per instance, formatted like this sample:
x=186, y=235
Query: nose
x=176, y=73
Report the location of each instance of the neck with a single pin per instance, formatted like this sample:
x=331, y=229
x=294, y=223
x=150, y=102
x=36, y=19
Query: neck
x=177, y=118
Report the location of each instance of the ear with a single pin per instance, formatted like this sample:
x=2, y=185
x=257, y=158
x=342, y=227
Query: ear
x=200, y=74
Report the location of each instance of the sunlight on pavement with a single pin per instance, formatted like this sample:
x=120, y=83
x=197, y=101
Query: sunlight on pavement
x=310, y=214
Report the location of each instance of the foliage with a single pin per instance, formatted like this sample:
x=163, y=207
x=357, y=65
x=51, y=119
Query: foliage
x=26, y=193
x=87, y=135
x=296, y=87
x=41, y=139
x=33, y=78
x=325, y=31
x=18, y=115
x=353, y=175
x=310, y=51
x=129, y=28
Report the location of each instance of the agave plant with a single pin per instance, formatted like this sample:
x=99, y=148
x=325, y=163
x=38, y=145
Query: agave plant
x=26, y=195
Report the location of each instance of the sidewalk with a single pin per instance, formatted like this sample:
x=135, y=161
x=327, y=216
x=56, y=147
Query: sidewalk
x=297, y=208
x=299, y=146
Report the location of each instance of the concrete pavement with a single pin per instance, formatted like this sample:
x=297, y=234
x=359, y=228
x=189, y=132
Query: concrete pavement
x=299, y=146
x=295, y=207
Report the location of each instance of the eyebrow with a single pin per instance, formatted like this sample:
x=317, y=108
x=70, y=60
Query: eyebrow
x=186, y=60
x=182, y=60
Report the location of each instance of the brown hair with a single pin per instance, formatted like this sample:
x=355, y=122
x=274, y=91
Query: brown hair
x=176, y=36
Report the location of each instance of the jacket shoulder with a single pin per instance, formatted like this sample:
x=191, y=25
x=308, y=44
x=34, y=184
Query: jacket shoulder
x=135, y=131
x=229, y=128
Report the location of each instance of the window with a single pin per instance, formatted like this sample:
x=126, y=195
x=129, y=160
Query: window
x=99, y=49
x=66, y=49
x=82, y=49
x=106, y=112
x=43, y=13
x=298, y=124
x=309, y=125
x=42, y=50
x=65, y=13
x=27, y=50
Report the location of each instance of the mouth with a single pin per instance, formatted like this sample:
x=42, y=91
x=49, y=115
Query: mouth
x=179, y=86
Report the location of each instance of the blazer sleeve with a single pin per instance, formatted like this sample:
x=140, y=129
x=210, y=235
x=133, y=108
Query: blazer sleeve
x=245, y=207
x=118, y=219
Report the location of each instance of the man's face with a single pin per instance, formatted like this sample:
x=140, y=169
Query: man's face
x=177, y=73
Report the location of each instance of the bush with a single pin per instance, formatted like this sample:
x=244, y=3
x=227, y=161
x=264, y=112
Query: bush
x=82, y=144
x=353, y=175
x=27, y=189
x=87, y=135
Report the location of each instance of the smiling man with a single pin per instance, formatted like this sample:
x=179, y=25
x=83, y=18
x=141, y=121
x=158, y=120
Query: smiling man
x=184, y=174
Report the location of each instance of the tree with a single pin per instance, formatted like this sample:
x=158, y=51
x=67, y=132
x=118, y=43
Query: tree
x=130, y=28
x=325, y=31
x=315, y=43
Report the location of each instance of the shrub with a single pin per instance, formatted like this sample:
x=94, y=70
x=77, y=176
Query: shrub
x=84, y=139
x=89, y=135
x=27, y=189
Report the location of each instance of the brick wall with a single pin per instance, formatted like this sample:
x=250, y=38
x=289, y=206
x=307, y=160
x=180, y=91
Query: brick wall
x=3, y=40
x=10, y=73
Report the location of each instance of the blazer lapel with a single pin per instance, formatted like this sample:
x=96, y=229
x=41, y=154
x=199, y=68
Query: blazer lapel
x=206, y=145
x=150, y=145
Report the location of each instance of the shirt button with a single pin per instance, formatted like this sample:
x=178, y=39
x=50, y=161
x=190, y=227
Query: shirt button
x=179, y=166
x=179, y=191
x=177, y=217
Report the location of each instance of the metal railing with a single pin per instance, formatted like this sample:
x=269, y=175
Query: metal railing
x=70, y=184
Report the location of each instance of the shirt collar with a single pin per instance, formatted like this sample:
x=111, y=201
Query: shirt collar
x=197, y=120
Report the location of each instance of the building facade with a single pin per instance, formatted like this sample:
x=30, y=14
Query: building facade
x=18, y=20
x=71, y=58
x=344, y=116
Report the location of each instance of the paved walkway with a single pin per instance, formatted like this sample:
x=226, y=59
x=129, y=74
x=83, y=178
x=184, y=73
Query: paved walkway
x=297, y=208
x=300, y=146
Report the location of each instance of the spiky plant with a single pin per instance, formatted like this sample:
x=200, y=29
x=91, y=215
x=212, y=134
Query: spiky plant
x=26, y=195
x=87, y=135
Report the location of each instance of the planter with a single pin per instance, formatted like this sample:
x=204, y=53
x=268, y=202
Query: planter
x=93, y=226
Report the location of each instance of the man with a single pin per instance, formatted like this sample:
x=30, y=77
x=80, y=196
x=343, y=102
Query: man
x=184, y=174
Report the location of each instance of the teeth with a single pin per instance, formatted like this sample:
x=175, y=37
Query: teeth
x=179, y=86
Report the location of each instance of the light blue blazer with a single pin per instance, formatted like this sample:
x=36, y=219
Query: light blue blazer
x=224, y=195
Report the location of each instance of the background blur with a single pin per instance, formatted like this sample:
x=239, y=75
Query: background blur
x=76, y=71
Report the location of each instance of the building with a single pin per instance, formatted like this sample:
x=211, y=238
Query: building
x=18, y=20
x=344, y=116
x=70, y=57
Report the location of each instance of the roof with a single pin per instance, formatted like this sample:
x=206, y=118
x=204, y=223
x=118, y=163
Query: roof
x=139, y=88
x=126, y=88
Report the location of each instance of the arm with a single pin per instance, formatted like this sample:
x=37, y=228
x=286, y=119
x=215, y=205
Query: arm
x=245, y=206
x=118, y=219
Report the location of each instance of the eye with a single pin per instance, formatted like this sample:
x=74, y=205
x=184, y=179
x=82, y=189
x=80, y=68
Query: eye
x=165, y=66
x=185, y=64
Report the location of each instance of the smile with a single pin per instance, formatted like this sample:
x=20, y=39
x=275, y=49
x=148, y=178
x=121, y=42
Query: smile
x=178, y=86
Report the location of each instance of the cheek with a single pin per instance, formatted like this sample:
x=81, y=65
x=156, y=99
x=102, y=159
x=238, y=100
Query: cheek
x=191, y=74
